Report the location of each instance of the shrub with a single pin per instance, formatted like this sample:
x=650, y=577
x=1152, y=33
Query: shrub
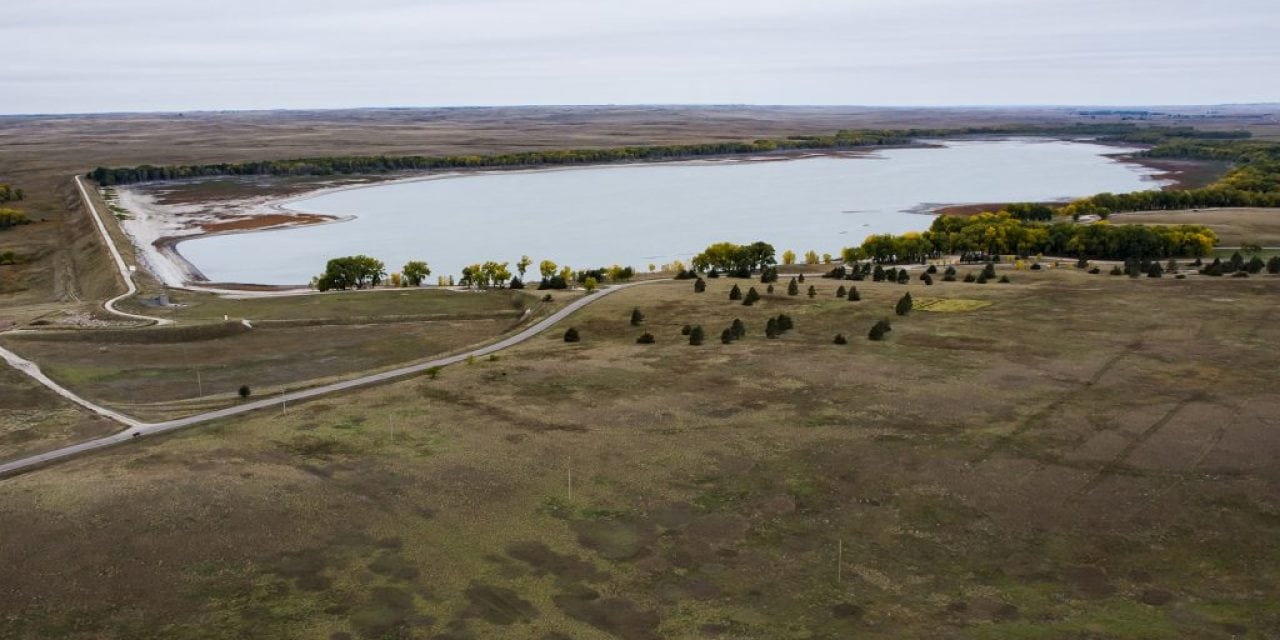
x=1254, y=265
x=769, y=289
x=1215, y=268
x=928, y=279
x=812, y=291
x=903, y=276
x=989, y=270
x=1004, y=280
x=699, y=285
x=1036, y=266
x=571, y=335
x=645, y=338
x=244, y=391
x=904, y=305
x=951, y=271
x=516, y=283
x=933, y=268
x=547, y=298
x=801, y=278
x=434, y=372
x=636, y=317
x=1154, y=271
x=793, y=288
x=771, y=328
x=841, y=292
x=1082, y=263
x=696, y=335
x=1240, y=274
x=969, y=277
x=554, y=282
x=1095, y=271
x=769, y=274
x=1116, y=271
x=1273, y=265
x=726, y=336
x=752, y=297
x=982, y=278
x=854, y=296
x=686, y=330
x=735, y=293
x=739, y=329
x=877, y=275
x=1181, y=276
x=840, y=339
x=785, y=323
x=879, y=329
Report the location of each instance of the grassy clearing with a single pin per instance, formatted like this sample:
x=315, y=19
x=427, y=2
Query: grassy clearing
x=1080, y=458
x=1234, y=226
x=948, y=305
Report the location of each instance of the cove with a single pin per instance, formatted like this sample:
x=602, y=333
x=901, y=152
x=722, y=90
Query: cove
x=640, y=214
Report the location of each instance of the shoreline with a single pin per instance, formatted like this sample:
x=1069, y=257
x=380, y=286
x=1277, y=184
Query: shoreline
x=237, y=214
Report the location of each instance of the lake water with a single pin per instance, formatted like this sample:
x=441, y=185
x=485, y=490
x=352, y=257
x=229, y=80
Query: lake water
x=655, y=213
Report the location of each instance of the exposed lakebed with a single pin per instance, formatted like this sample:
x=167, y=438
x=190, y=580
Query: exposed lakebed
x=654, y=213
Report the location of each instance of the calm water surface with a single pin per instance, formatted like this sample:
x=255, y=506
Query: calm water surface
x=641, y=214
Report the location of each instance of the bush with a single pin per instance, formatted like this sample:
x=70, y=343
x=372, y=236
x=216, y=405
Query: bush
x=735, y=293
x=951, y=271
x=771, y=328
x=879, y=329
x=854, y=296
x=1095, y=271
x=548, y=298
x=726, y=336
x=989, y=270
x=244, y=391
x=1181, y=276
x=785, y=323
x=1215, y=268
x=1082, y=263
x=1255, y=265
x=1116, y=271
x=554, y=282
x=636, y=317
x=1036, y=266
x=739, y=329
x=696, y=335
x=840, y=339
x=793, y=288
x=1154, y=271
x=713, y=274
x=769, y=274
x=928, y=279
x=877, y=275
x=645, y=338
x=933, y=268
x=1273, y=265
x=841, y=292
x=699, y=285
x=904, y=305
x=801, y=278
x=686, y=330
x=903, y=276
x=752, y=297
x=571, y=335
x=1004, y=280
x=812, y=291
x=516, y=283
x=1240, y=274
x=769, y=289
x=969, y=277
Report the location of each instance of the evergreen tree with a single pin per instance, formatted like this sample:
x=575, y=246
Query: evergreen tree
x=878, y=274
x=841, y=292
x=645, y=338
x=989, y=270
x=735, y=293
x=739, y=329
x=686, y=330
x=801, y=277
x=927, y=279
x=752, y=297
x=903, y=276
x=1154, y=271
x=726, y=336
x=1273, y=265
x=1254, y=265
x=699, y=285
x=636, y=317
x=793, y=288
x=771, y=328
x=879, y=329
x=904, y=305
x=696, y=335
x=854, y=296
x=813, y=291
x=784, y=323
x=571, y=335
x=840, y=339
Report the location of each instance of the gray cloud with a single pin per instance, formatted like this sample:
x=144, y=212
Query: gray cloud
x=79, y=56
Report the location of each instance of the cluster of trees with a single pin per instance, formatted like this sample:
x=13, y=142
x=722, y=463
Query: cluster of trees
x=1001, y=233
x=485, y=275
x=735, y=259
x=351, y=272
x=346, y=165
x=12, y=218
x=9, y=194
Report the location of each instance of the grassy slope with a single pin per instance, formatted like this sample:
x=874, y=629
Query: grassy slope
x=1087, y=456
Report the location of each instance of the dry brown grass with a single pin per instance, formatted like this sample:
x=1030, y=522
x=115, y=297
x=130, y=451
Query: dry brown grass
x=1088, y=456
x=1234, y=226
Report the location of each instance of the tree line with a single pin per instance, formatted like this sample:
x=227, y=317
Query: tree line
x=1001, y=233
x=346, y=165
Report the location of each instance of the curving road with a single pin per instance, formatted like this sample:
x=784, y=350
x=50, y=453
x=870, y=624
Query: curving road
x=137, y=428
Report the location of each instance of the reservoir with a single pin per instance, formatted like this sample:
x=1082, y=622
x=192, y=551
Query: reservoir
x=640, y=214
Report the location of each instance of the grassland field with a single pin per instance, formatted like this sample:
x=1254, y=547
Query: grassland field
x=1086, y=456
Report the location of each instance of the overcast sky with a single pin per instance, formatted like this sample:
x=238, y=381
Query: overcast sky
x=143, y=55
